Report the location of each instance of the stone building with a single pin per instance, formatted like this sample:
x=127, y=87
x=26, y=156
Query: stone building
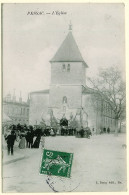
x=69, y=97
x=17, y=111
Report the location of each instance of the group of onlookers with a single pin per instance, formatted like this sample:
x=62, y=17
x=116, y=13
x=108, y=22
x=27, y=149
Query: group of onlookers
x=68, y=131
x=105, y=130
x=84, y=132
x=27, y=137
x=30, y=137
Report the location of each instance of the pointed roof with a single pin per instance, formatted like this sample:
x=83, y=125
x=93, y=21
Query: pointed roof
x=68, y=51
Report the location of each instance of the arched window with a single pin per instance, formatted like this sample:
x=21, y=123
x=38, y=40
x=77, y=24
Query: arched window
x=63, y=67
x=64, y=100
x=68, y=68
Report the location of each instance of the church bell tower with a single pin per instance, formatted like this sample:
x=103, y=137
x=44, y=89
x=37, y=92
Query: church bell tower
x=67, y=78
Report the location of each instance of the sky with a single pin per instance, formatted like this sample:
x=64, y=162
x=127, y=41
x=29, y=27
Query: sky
x=30, y=41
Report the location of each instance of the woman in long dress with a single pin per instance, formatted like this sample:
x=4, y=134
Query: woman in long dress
x=37, y=142
x=22, y=142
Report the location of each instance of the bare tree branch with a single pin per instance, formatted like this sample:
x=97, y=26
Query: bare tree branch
x=110, y=86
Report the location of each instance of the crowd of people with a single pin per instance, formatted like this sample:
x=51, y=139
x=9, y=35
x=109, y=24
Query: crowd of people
x=27, y=136
x=84, y=132
x=67, y=131
x=31, y=136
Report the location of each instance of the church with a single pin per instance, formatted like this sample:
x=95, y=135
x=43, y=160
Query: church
x=69, y=98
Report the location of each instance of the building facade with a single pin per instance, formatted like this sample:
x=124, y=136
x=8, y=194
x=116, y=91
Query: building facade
x=17, y=111
x=69, y=97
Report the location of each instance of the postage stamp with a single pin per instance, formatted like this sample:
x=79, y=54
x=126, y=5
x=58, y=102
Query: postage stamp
x=56, y=163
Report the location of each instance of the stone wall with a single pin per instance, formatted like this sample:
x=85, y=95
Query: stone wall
x=76, y=75
x=73, y=94
x=98, y=115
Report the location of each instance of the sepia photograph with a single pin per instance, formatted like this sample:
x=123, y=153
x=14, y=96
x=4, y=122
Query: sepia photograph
x=63, y=97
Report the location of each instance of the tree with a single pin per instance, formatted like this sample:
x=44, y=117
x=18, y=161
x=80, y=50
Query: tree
x=110, y=86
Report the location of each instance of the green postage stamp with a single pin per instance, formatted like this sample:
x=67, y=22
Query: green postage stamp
x=56, y=163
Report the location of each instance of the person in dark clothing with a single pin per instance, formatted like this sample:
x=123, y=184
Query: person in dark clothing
x=104, y=129
x=88, y=132
x=71, y=131
x=67, y=131
x=31, y=139
x=31, y=136
x=10, y=142
x=27, y=139
x=62, y=130
x=82, y=132
x=37, y=142
x=108, y=130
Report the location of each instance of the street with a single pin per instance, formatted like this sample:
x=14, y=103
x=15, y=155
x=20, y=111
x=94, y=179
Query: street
x=99, y=164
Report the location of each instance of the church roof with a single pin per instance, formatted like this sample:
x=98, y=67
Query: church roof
x=46, y=91
x=88, y=90
x=68, y=51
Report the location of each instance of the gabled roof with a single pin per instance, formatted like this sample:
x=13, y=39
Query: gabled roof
x=68, y=51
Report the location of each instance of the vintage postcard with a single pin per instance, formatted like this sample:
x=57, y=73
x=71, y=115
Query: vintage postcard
x=63, y=97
